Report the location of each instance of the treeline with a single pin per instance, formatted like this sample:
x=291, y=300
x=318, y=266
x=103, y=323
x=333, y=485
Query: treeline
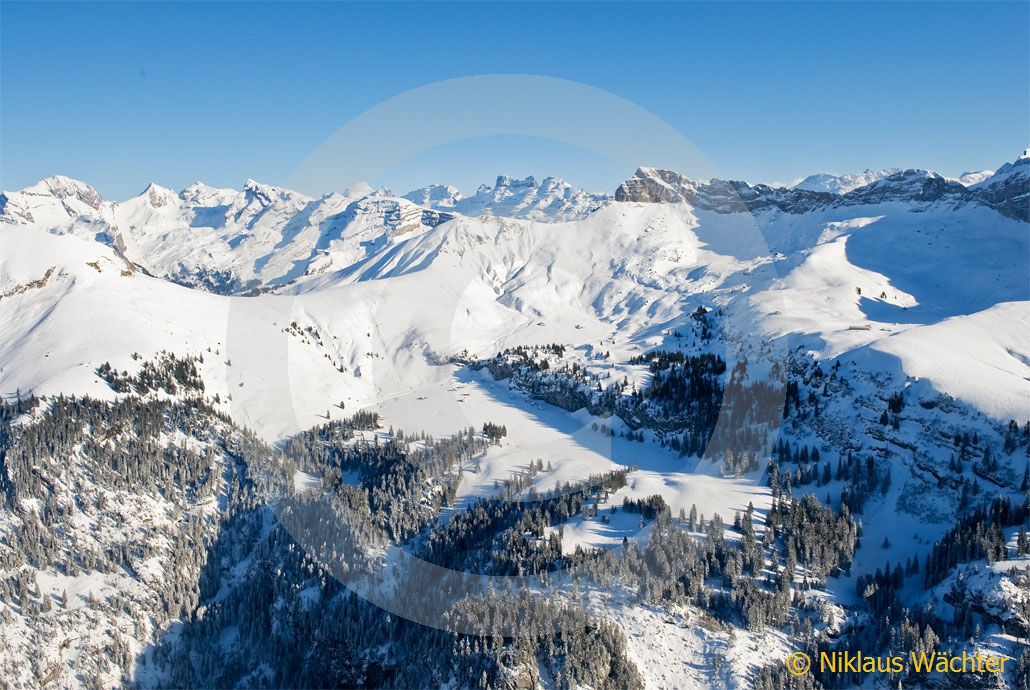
x=111, y=489
x=860, y=478
x=893, y=627
x=507, y=535
x=285, y=623
x=751, y=582
x=975, y=536
x=165, y=372
x=260, y=610
x=683, y=403
x=403, y=482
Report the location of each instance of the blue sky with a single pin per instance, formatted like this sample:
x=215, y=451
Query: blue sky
x=121, y=94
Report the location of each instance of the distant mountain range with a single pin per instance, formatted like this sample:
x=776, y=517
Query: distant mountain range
x=262, y=237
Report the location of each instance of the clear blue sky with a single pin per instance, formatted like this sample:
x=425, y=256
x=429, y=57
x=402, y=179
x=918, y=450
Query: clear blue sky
x=124, y=93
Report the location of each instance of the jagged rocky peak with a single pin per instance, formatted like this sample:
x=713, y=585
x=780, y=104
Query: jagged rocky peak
x=395, y=215
x=506, y=181
x=651, y=185
x=552, y=200
x=912, y=184
x=1008, y=190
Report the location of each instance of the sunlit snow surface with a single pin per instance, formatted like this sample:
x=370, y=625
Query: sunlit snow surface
x=370, y=320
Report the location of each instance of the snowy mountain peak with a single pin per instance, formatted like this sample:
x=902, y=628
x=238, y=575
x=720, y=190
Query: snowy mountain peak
x=52, y=200
x=63, y=187
x=201, y=194
x=553, y=200
x=435, y=196
x=265, y=192
x=158, y=196
x=972, y=177
x=842, y=184
x=358, y=190
x=1022, y=163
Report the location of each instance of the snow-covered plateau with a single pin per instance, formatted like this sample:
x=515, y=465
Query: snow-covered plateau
x=677, y=432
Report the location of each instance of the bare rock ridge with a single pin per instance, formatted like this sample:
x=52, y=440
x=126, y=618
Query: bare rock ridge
x=1007, y=191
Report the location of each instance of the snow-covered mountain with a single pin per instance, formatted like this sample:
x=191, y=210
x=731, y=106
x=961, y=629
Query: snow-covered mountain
x=933, y=248
x=552, y=200
x=1004, y=191
x=842, y=184
x=1009, y=188
x=236, y=241
x=890, y=320
x=223, y=240
x=971, y=178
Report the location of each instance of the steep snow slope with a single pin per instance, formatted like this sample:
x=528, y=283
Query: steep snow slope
x=879, y=269
x=70, y=305
x=983, y=358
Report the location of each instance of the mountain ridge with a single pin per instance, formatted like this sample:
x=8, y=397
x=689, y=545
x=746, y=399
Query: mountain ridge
x=264, y=237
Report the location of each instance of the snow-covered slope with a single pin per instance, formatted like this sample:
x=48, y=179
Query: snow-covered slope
x=623, y=275
x=422, y=287
x=52, y=202
x=983, y=358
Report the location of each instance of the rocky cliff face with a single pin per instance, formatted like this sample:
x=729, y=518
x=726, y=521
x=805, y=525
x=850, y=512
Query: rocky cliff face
x=1006, y=191
x=722, y=196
